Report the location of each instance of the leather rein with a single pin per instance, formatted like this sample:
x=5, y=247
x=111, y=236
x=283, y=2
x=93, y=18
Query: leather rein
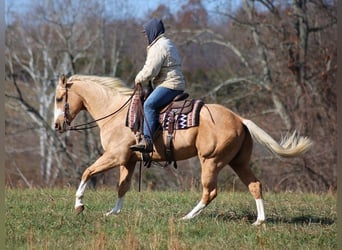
x=84, y=126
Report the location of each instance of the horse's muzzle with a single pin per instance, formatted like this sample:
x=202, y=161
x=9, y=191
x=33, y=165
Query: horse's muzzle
x=60, y=127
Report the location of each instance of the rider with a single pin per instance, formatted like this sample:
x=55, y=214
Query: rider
x=163, y=68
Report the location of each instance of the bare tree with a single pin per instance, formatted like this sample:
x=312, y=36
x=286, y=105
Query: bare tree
x=32, y=52
x=55, y=43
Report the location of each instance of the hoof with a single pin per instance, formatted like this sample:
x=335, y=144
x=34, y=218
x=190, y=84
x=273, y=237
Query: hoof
x=258, y=223
x=185, y=218
x=111, y=212
x=108, y=214
x=79, y=209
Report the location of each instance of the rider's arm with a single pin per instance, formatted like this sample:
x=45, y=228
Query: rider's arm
x=154, y=61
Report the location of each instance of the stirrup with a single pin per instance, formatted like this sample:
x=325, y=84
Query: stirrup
x=143, y=146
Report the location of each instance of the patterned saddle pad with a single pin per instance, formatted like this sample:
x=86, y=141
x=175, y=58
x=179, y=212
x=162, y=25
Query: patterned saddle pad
x=180, y=114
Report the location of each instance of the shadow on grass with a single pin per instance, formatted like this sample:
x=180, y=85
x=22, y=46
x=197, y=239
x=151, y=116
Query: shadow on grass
x=304, y=219
x=250, y=217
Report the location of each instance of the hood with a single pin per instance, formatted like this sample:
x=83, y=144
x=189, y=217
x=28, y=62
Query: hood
x=153, y=29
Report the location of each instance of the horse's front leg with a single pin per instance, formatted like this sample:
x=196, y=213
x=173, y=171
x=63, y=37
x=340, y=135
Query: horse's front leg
x=126, y=173
x=105, y=162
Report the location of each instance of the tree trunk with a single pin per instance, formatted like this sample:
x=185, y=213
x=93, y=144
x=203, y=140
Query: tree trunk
x=267, y=77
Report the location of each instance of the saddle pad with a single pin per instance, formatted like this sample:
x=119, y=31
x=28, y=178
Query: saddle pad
x=184, y=114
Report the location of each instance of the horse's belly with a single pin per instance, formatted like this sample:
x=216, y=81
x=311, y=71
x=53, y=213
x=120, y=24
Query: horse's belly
x=183, y=144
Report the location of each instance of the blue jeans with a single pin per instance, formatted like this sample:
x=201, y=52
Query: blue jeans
x=157, y=100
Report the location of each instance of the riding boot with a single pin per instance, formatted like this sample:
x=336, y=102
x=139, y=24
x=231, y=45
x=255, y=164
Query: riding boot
x=145, y=145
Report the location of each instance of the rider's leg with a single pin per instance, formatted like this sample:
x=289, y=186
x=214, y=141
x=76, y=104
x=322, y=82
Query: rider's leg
x=159, y=98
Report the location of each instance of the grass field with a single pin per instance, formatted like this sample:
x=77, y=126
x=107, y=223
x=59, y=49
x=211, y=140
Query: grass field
x=44, y=219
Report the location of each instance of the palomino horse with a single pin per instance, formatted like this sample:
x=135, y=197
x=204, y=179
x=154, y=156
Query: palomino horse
x=222, y=138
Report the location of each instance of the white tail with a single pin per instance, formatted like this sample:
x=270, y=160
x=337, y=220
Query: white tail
x=290, y=146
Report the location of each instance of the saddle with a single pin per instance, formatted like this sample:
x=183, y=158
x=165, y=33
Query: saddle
x=181, y=113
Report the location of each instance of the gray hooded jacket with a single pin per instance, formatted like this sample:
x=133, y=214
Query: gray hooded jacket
x=163, y=64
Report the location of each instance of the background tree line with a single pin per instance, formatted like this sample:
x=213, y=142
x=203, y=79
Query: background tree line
x=268, y=60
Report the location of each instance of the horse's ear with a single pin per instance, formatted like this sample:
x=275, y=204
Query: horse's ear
x=62, y=80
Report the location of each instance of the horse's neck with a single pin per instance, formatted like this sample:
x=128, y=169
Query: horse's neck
x=99, y=102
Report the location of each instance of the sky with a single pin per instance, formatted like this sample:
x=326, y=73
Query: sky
x=142, y=7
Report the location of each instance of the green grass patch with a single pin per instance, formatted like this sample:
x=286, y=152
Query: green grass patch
x=45, y=219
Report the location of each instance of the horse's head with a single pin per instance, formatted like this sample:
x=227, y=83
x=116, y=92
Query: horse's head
x=67, y=105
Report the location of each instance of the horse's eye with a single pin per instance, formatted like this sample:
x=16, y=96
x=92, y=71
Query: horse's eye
x=59, y=99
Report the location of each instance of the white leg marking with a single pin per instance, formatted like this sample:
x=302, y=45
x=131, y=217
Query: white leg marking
x=57, y=113
x=79, y=194
x=117, y=208
x=261, y=212
x=195, y=211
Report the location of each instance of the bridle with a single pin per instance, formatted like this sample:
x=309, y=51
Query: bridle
x=84, y=126
x=66, y=122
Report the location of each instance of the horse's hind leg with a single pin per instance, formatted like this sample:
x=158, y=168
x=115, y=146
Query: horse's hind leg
x=254, y=186
x=210, y=171
x=240, y=165
x=126, y=173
